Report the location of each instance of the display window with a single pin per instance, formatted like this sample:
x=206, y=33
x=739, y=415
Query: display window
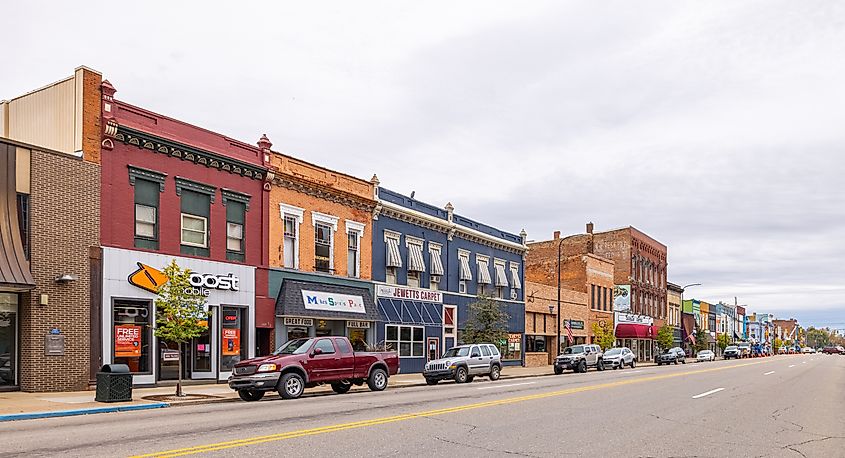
x=358, y=337
x=233, y=332
x=407, y=340
x=512, y=348
x=132, y=334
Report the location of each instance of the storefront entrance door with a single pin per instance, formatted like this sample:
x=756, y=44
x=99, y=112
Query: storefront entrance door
x=8, y=340
x=203, y=356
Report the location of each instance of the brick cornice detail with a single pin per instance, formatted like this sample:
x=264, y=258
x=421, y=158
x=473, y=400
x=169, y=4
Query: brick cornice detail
x=323, y=192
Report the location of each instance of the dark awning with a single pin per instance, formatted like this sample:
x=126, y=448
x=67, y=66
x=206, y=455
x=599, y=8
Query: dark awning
x=14, y=267
x=322, y=300
x=736, y=336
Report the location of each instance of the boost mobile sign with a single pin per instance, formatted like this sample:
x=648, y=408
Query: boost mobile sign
x=150, y=279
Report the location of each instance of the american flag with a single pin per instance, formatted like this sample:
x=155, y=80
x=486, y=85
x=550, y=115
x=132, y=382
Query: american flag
x=569, y=331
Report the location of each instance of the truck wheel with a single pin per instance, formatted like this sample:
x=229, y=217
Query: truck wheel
x=250, y=395
x=495, y=372
x=558, y=370
x=377, y=380
x=582, y=367
x=461, y=375
x=341, y=387
x=431, y=381
x=600, y=365
x=291, y=386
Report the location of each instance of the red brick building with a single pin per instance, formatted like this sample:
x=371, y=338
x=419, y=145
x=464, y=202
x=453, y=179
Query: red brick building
x=174, y=191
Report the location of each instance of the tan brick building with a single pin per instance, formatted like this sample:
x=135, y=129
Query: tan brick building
x=541, y=335
x=49, y=140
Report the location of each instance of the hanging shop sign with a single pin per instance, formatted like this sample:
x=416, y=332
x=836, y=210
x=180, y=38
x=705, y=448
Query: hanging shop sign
x=358, y=324
x=292, y=321
x=333, y=302
x=127, y=340
x=413, y=294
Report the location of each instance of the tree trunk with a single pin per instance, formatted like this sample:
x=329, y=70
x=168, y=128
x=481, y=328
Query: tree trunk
x=179, y=378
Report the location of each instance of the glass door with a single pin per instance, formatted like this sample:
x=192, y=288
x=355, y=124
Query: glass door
x=8, y=340
x=233, y=338
x=202, y=357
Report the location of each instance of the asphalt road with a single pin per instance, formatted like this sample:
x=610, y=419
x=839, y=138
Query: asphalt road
x=779, y=406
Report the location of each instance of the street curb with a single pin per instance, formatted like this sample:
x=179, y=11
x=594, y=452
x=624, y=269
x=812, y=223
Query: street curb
x=75, y=412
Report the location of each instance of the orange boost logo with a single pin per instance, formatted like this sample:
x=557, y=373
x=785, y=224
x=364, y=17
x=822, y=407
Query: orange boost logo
x=148, y=278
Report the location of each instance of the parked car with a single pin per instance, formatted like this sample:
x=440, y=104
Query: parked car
x=618, y=358
x=731, y=351
x=578, y=358
x=744, y=349
x=673, y=355
x=308, y=362
x=783, y=351
x=807, y=350
x=463, y=363
x=833, y=350
x=705, y=355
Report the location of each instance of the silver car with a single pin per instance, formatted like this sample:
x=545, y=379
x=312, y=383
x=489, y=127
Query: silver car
x=618, y=358
x=463, y=363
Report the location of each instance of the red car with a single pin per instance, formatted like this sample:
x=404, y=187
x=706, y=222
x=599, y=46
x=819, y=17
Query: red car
x=309, y=362
x=833, y=350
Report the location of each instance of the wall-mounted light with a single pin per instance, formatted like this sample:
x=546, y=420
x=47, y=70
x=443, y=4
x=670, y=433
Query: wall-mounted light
x=66, y=278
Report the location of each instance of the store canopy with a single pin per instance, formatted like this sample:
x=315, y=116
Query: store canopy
x=484, y=274
x=14, y=267
x=466, y=273
x=515, y=279
x=323, y=300
x=436, y=263
x=501, y=276
x=634, y=331
x=736, y=336
x=394, y=258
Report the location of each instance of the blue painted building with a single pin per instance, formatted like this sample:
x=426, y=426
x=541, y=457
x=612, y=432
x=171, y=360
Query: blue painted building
x=428, y=265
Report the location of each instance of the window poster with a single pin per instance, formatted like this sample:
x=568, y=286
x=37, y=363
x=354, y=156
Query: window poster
x=127, y=340
x=231, y=341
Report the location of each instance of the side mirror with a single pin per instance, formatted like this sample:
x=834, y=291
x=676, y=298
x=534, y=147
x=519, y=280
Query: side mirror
x=316, y=351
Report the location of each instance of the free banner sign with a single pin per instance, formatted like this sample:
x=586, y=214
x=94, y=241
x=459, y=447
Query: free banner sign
x=333, y=302
x=231, y=341
x=127, y=340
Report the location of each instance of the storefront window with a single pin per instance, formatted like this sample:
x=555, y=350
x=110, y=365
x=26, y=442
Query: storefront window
x=297, y=332
x=8, y=339
x=232, y=338
x=407, y=340
x=512, y=349
x=132, y=334
x=358, y=337
x=536, y=344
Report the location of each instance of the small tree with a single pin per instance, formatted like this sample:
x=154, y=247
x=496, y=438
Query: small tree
x=179, y=314
x=700, y=340
x=487, y=322
x=603, y=336
x=777, y=344
x=665, y=337
x=722, y=341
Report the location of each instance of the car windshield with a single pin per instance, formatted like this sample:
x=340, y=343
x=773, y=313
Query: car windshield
x=705, y=352
x=613, y=352
x=575, y=349
x=456, y=351
x=731, y=347
x=294, y=347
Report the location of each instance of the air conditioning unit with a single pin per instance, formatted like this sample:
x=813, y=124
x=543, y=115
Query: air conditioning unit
x=462, y=288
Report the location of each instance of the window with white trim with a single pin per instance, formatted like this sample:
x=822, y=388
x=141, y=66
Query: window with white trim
x=407, y=340
x=354, y=233
x=194, y=231
x=413, y=279
x=483, y=264
x=516, y=283
x=465, y=274
x=290, y=246
x=435, y=251
x=145, y=221
x=324, y=228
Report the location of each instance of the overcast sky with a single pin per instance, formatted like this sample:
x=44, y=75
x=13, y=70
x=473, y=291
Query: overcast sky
x=717, y=128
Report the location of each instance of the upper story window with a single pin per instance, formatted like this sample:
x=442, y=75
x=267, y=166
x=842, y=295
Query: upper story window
x=324, y=228
x=291, y=220
x=416, y=263
x=435, y=251
x=148, y=186
x=465, y=274
x=393, y=258
x=196, y=212
x=354, y=232
x=236, y=206
x=516, y=284
x=501, y=278
x=484, y=279
x=23, y=221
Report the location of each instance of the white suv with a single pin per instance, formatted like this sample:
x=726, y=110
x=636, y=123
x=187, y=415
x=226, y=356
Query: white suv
x=579, y=358
x=463, y=363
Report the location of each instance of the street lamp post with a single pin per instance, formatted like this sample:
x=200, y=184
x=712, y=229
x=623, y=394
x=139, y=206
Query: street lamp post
x=559, y=246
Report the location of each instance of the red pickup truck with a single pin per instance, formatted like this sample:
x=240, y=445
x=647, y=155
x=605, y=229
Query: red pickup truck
x=308, y=362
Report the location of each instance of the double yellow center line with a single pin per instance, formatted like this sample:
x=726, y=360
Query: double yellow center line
x=429, y=413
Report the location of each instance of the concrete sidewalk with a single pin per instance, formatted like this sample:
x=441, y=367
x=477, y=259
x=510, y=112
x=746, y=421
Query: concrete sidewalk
x=18, y=405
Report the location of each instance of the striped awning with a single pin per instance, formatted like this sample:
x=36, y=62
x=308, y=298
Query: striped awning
x=515, y=279
x=501, y=275
x=483, y=274
x=416, y=263
x=394, y=258
x=466, y=273
x=436, y=263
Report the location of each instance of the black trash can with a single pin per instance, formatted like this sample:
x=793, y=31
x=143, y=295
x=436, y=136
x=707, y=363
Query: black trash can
x=114, y=383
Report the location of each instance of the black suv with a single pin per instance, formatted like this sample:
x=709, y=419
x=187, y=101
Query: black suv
x=673, y=355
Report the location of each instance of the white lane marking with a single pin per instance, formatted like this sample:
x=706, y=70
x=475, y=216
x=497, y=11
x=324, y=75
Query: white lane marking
x=792, y=365
x=707, y=393
x=405, y=381
x=504, y=386
x=630, y=372
x=769, y=373
x=803, y=362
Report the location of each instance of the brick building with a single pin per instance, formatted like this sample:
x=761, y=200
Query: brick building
x=49, y=227
x=320, y=243
x=674, y=299
x=541, y=335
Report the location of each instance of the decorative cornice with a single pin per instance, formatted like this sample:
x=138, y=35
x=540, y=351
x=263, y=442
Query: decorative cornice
x=228, y=195
x=146, y=174
x=323, y=192
x=184, y=183
x=185, y=152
